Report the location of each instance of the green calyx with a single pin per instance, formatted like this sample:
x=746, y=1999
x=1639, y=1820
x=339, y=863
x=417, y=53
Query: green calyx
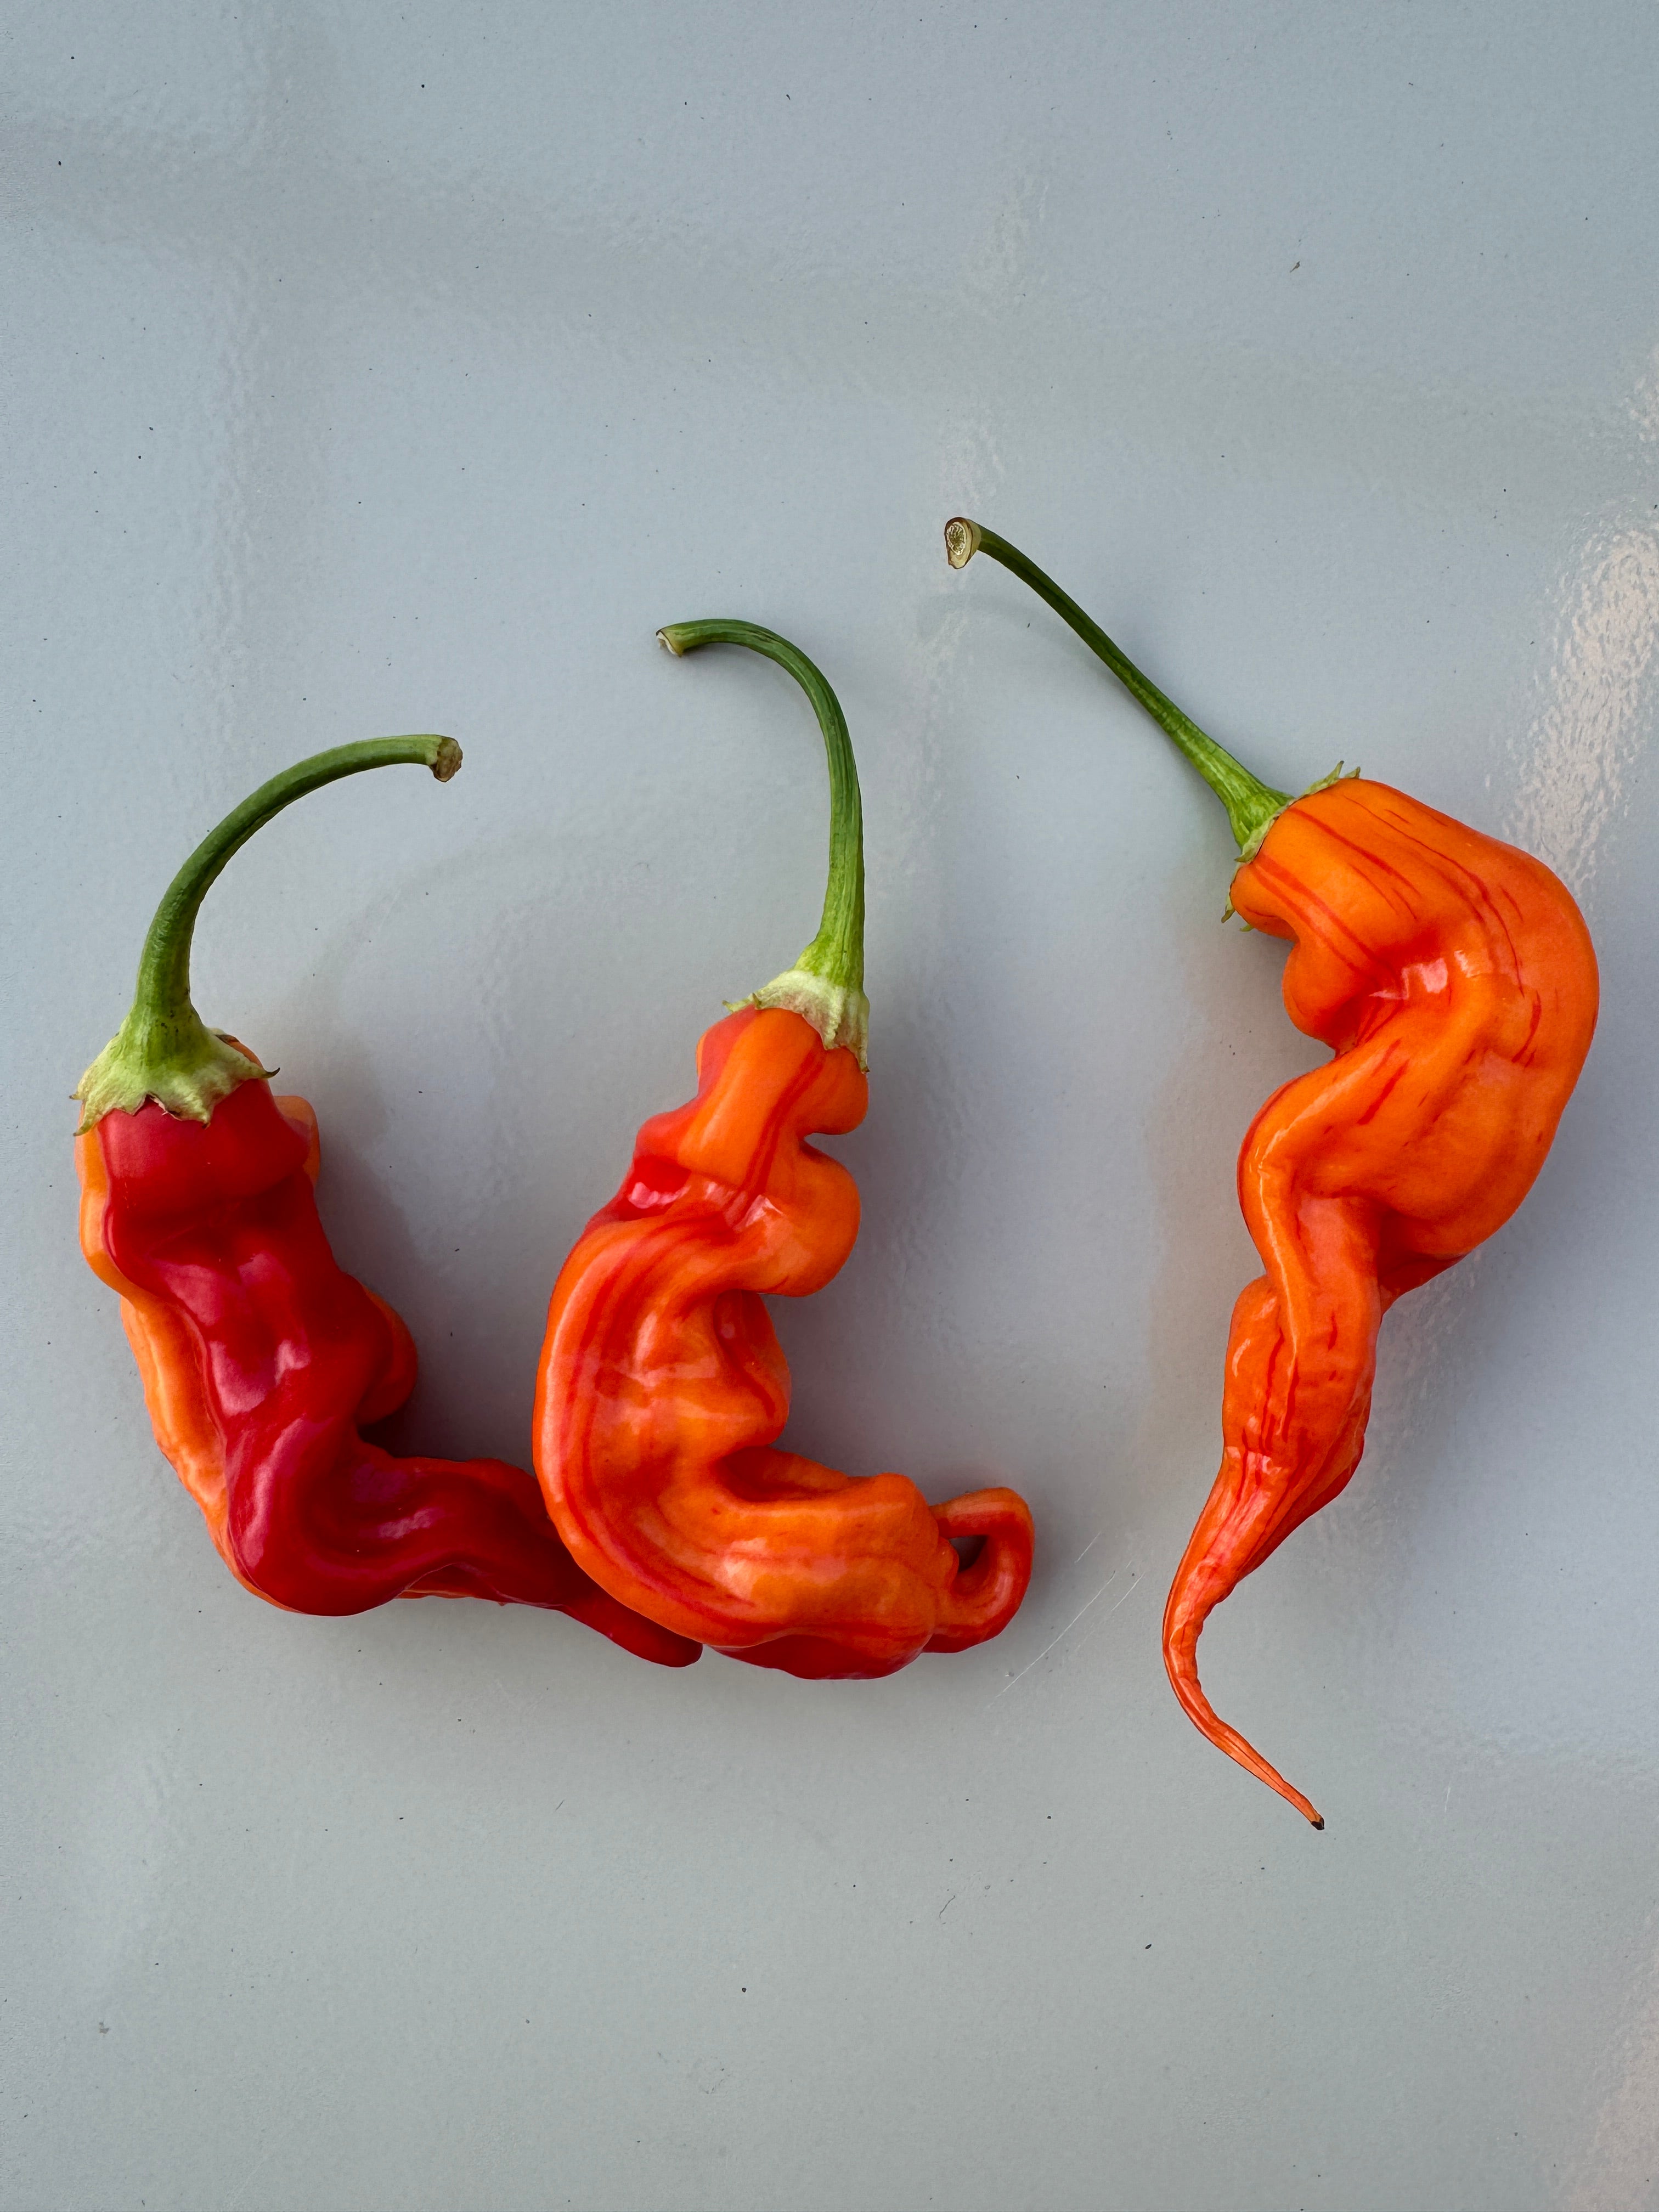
x=1252, y=806
x=826, y=986
x=164, y=1050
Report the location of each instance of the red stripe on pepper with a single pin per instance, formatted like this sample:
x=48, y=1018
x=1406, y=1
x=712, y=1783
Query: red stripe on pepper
x=1455, y=981
x=663, y=1387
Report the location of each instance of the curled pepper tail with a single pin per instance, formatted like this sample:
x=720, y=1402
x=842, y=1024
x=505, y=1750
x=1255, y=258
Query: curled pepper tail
x=986, y=1595
x=1197, y=1591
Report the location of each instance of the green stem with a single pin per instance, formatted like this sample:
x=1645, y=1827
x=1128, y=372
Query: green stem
x=163, y=1050
x=826, y=984
x=1252, y=805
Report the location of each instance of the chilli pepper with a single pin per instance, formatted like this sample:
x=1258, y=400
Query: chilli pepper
x=1455, y=981
x=663, y=1387
x=261, y=1358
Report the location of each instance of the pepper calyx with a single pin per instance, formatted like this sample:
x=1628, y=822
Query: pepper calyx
x=840, y=1013
x=1252, y=845
x=177, y=1063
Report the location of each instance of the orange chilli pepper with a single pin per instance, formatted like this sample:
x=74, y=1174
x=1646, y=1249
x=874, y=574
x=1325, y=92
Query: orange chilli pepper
x=1455, y=981
x=663, y=1387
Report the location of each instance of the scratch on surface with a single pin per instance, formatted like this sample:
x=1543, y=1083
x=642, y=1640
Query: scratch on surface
x=1064, y=1632
x=1090, y=1546
x=247, y=2177
x=1099, y=1627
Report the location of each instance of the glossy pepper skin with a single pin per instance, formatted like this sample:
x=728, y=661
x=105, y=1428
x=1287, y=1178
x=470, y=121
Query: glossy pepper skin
x=1453, y=980
x=262, y=1361
x=663, y=1390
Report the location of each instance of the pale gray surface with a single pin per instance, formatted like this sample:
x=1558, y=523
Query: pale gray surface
x=387, y=367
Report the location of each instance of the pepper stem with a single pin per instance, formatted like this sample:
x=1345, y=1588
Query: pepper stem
x=1252, y=805
x=826, y=984
x=163, y=1050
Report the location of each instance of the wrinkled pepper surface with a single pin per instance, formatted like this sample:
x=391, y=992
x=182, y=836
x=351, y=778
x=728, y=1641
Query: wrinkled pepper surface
x=663, y=1387
x=1455, y=981
x=261, y=1359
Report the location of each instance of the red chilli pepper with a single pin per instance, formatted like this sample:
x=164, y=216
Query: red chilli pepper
x=261, y=1359
x=663, y=1387
x=1455, y=981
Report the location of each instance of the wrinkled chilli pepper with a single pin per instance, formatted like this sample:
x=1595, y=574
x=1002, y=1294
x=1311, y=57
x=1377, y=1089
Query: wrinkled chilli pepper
x=260, y=1358
x=663, y=1387
x=1455, y=981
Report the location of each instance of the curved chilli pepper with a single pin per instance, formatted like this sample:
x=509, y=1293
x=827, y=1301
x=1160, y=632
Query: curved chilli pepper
x=663, y=1387
x=1455, y=981
x=261, y=1359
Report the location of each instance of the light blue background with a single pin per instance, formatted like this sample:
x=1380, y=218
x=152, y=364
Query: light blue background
x=385, y=368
